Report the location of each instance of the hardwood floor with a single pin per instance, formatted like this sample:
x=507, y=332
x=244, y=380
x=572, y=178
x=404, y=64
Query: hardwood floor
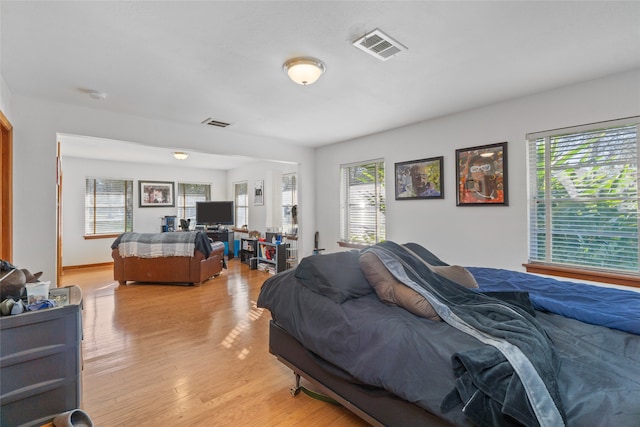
x=175, y=355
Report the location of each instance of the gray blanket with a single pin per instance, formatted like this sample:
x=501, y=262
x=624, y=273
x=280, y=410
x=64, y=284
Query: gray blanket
x=514, y=375
x=153, y=245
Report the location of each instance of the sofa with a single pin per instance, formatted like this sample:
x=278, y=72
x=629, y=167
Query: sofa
x=174, y=257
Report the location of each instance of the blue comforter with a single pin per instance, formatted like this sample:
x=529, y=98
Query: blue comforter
x=597, y=305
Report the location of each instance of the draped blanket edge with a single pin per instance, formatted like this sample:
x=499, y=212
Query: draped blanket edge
x=514, y=374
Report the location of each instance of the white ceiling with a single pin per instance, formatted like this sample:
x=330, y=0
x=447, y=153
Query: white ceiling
x=186, y=61
x=126, y=151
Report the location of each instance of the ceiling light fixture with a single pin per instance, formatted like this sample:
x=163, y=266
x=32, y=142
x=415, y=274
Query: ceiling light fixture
x=97, y=95
x=304, y=71
x=180, y=155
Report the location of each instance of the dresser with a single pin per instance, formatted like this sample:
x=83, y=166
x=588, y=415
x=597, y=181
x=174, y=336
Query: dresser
x=41, y=362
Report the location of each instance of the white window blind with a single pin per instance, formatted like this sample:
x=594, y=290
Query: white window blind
x=108, y=206
x=188, y=195
x=583, y=196
x=289, y=203
x=362, y=207
x=241, y=199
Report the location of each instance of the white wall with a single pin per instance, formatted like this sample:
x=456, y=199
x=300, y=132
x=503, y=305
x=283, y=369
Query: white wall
x=264, y=216
x=5, y=99
x=490, y=236
x=78, y=251
x=5, y=93
x=486, y=235
x=36, y=123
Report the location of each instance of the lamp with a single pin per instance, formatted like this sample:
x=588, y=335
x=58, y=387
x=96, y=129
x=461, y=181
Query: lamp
x=304, y=71
x=180, y=155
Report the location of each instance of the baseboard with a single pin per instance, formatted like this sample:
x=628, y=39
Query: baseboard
x=78, y=267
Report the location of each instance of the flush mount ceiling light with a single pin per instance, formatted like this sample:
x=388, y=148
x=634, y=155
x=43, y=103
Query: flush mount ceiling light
x=97, y=95
x=180, y=155
x=304, y=71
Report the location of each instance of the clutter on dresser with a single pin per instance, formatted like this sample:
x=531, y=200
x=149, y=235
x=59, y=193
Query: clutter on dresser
x=21, y=291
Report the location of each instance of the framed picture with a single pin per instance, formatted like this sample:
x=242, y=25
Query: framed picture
x=156, y=194
x=258, y=193
x=482, y=175
x=420, y=179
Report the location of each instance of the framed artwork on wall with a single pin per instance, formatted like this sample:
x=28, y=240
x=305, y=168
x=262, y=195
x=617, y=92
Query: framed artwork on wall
x=258, y=193
x=419, y=179
x=156, y=194
x=482, y=175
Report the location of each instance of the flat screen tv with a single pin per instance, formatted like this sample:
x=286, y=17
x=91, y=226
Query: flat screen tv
x=215, y=213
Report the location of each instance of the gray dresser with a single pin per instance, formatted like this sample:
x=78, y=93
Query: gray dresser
x=41, y=362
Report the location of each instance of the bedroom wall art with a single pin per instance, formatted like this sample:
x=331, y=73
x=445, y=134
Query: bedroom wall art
x=482, y=175
x=419, y=179
x=258, y=193
x=156, y=194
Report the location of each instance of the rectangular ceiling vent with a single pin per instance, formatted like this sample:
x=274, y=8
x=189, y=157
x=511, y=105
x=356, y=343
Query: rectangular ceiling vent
x=212, y=122
x=380, y=45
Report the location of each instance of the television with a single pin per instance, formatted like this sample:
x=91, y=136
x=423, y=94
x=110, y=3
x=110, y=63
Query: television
x=215, y=213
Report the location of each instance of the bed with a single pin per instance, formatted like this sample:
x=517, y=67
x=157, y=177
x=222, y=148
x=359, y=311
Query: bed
x=500, y=347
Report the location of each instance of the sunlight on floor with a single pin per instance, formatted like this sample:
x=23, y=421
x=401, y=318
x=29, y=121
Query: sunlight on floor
x=254, y=314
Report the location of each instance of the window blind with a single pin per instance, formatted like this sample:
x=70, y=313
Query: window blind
x=241, y=204
x=289, y=200
x=583, y=197
x=362, y=203
x=188, y=195
x=108, y=206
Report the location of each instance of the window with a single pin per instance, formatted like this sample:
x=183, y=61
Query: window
x=108, y=206
x=241, y=199
x=362, y=209
x=188, y=195
x=289, y=204
x=583, y=197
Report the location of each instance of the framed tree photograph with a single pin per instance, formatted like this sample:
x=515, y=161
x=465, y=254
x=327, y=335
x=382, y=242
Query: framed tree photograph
x=482, y=175
x=420, y=179
x=156, y=194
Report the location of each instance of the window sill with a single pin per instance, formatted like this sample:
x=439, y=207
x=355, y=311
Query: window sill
x=590, y=275
x=353, y=245
x=100, y=236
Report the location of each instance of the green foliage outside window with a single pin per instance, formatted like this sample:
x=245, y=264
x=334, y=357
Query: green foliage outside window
x=586, y=199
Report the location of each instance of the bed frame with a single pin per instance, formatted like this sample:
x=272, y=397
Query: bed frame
x=376, y=406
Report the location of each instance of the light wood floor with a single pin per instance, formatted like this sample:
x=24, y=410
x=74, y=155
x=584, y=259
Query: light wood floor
x=172, y=355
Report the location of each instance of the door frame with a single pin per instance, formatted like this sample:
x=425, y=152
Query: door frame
x=6, y=188
x=59, y=271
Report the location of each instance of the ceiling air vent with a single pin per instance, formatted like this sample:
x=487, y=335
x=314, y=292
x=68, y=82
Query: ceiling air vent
x=212, y=122
x=378, y=44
